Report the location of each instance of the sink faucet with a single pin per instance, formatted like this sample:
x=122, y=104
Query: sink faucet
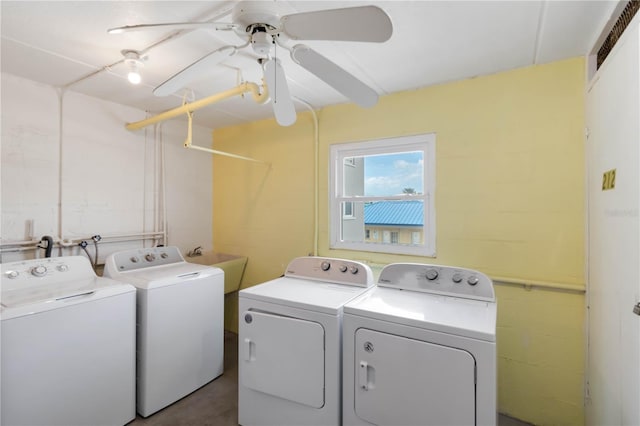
x=195, y=252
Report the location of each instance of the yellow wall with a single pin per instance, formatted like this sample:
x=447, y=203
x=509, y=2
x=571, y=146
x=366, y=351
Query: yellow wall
x=264, y=212
x=509, y=202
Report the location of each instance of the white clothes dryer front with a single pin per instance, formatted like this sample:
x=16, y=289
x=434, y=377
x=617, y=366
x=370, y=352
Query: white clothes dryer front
x=180, y=317
x=68, y=345
x=289, y=342
x=420, y=349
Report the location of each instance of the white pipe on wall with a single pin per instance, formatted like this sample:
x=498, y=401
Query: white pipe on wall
x=163, y=193
x=61, y=93
x=316, y=141
x=72, y=242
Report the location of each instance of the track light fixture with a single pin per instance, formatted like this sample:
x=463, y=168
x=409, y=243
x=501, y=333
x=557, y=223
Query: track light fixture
x=133, y=62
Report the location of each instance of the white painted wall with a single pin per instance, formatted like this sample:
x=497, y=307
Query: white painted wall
x=107, y=180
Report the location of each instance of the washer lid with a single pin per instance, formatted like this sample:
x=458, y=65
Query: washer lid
x=305, y=294
x=164, y=275
x=39, y=282
x=42, y=292
x=462, y=317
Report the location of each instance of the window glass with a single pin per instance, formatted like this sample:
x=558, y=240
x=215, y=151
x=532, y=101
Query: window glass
x=381, y=196
x=385, y=175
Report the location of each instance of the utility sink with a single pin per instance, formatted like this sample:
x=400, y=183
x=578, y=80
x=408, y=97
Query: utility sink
x=232, y=265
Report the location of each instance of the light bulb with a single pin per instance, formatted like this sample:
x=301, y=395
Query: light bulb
x=133, y=61
x=134, y=77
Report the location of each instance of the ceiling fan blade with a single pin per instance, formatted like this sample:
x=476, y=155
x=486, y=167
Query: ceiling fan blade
x=201, y=66
x=362, y=23
x=334, y=76
x=281, y=100
x=173, y=26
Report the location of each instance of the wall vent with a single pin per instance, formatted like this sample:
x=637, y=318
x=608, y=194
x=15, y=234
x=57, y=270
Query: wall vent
x=617, y=30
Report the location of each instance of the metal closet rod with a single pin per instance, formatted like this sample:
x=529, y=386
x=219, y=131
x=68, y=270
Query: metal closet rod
x=260, y=96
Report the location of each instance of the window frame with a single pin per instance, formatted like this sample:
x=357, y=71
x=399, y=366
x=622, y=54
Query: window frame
x=387, y=146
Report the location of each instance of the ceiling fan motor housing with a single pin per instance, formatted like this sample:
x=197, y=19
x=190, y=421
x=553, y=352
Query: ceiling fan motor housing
x=248, y=13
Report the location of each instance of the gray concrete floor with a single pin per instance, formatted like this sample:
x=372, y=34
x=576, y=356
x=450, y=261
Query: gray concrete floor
x=216, y=404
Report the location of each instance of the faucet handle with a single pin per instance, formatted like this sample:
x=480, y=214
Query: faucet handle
x=195, y=252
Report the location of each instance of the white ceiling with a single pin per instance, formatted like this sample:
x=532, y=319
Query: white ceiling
x=65, y=44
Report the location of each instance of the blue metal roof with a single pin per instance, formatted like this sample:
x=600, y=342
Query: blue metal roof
x=398, y=213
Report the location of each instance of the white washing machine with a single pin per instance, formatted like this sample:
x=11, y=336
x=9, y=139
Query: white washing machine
x=180, y=316
x=289, y=354
x=420, y=349
x=68, y=345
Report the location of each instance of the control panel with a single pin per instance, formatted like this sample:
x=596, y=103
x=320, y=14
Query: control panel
x=340, y=271
x=445, y=280
x=131, y=260
x=51, y=270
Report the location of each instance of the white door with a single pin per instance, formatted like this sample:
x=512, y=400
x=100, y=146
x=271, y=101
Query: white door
x=402, y=381
x=613, y=115
x=282, y=356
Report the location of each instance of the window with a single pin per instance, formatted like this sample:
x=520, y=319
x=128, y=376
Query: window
x=387, y=186
x=394, y=238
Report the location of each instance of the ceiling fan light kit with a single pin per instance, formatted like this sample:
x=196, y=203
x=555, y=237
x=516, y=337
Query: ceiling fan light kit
x=133, y=61
x=258, y=24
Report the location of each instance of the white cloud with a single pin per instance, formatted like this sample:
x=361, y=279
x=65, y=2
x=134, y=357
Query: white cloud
x=394, y=177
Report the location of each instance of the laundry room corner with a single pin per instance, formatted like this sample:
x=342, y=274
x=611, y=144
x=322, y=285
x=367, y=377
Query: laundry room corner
x=509, y=154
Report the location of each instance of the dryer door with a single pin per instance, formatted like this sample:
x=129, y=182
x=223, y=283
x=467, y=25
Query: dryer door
x=283, y=357
x=402, y=381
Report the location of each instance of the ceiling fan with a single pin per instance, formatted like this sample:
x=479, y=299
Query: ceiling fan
x=259, y=25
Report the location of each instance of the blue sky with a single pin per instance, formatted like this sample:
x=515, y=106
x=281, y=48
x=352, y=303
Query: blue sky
x=390, y=174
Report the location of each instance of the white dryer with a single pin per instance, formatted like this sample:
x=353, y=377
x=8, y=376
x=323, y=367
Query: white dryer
x=180, y=317
x=68, y=345
x=289, y=340
x=420, y=349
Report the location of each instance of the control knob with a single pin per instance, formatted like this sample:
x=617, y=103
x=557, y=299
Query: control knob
x=62, y=268
x=39, y=271
x=472, y=280
x=457, y=278
x=164, y=255
x=150, y=257
x=13, y=274
x=343, y=268
x=354, y=269
x=432, y=274
x=325, y=266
